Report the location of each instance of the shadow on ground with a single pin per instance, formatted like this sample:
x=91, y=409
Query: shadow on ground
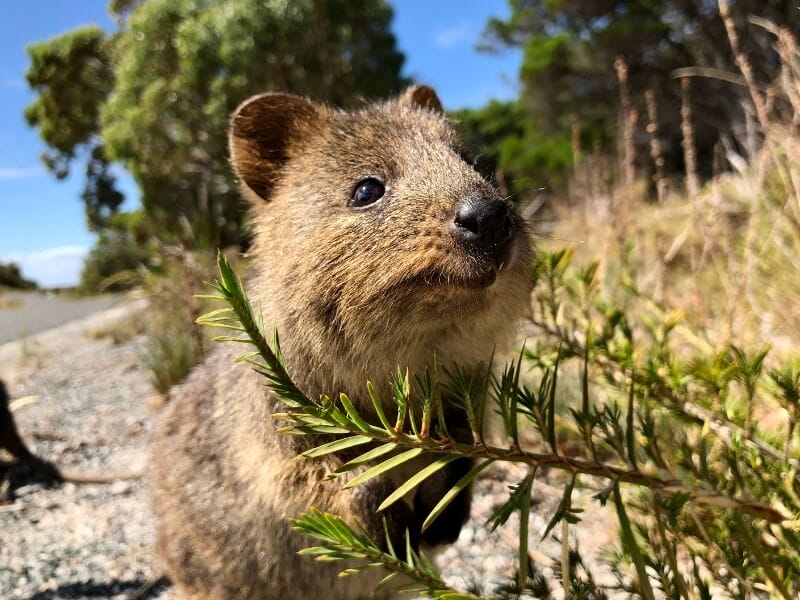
x=15, y=475
x=139, y=589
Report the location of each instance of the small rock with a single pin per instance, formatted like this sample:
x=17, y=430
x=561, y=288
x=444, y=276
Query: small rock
x=120, y=487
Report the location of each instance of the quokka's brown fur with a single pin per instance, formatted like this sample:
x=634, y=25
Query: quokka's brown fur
x=355, y=292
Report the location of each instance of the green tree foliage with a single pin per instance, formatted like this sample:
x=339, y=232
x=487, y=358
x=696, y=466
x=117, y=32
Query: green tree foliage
x=156, y=95
x=484, y=131
x=11, y=276
x=123, y=250
x=72, y=75
x=569, y=48
x=506, y=145
x=100, y=196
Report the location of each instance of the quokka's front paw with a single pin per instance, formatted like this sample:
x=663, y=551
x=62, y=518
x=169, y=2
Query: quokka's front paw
x=398, y=518
x=447, y=526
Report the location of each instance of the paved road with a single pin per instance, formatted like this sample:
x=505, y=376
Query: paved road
x=32, y=312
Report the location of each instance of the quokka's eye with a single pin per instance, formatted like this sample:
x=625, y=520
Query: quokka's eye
x=368, y=191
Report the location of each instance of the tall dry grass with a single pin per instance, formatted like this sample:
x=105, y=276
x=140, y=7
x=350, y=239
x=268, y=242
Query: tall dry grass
x=727, y=252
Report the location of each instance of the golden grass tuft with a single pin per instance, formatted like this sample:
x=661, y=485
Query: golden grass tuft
x=727, y=252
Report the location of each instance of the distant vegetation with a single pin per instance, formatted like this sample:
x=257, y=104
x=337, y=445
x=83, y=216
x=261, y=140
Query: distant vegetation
x=569, y=102
x=155, y=95
x=11, y=277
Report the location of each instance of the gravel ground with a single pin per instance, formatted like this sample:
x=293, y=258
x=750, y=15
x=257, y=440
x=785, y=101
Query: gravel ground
x=82, y=403
x=85, y=404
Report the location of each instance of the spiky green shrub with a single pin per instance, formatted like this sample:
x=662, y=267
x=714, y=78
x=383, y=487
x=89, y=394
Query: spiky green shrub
x=662, y=427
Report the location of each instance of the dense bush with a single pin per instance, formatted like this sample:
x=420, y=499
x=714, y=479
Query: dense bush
x=114, y=263
x=11, y=276
x=508, y=146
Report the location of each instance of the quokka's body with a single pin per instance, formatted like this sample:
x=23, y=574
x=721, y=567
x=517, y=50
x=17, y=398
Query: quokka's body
x=376, y=246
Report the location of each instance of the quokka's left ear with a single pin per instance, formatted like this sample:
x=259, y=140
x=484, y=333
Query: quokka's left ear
x=421, y=96
x=262, y=131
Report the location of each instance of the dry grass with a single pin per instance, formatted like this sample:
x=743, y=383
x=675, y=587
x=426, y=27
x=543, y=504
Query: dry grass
x=175, y=342
x=728, y=252
x=122, y=331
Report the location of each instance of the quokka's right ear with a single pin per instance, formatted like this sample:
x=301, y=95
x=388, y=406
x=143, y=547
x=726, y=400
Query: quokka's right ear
x=261, y=133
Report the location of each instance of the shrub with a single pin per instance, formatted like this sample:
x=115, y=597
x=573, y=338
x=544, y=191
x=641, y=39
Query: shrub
x=11, y=276
x=114, y=264
x=176, y=343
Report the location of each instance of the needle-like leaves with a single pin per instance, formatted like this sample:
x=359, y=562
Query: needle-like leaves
x=416, y=479
x=453, y=492
x=383, y=467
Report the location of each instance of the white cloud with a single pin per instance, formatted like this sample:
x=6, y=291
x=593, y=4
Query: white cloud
x=11, y=173
x=54, y=267
x=453, y=37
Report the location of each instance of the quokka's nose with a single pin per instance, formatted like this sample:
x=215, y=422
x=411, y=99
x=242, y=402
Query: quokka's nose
x=485, y=223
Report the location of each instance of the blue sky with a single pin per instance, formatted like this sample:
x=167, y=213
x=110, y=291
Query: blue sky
x=42, y=224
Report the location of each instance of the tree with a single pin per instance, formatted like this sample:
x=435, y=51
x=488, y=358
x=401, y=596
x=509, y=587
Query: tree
x=100, y=195
x=156, y=96
x=73, y=77
x=124, y=250
x=570, y=46
x=11, y=276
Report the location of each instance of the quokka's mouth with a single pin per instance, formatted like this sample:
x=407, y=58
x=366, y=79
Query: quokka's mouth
x=443, y=279
x=485, y=275
x=484, y=280
x=470, y=272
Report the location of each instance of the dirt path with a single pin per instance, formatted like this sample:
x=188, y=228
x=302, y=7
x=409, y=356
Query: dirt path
x=24, y=314
x=84, y=403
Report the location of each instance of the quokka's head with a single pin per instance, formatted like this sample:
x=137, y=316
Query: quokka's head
x=370, y=225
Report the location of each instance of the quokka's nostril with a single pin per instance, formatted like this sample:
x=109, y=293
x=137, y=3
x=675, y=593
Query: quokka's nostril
x=508, y=226
x=468, y=217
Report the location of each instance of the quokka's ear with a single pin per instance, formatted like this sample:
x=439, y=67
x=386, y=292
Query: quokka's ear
x=421, y=96
x=261, y=132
